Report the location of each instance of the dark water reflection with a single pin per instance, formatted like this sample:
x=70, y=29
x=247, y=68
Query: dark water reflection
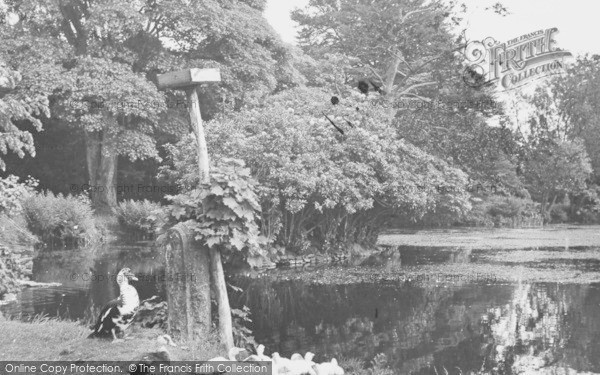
x=472, y=327
x=499, y=328
x=87, y=281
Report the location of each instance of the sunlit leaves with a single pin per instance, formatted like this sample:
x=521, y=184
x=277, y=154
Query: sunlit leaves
x=15, y=107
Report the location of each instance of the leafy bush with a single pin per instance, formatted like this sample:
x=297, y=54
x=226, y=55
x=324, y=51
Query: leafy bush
x=58, y=219
x=152, y=313
x=378, y=366
x=501, y=211
x=319, y=189
x=559, y=213
x=13, y=192
x=10, y=272
x=139, y=216
x=242, y=335
x=223, y=212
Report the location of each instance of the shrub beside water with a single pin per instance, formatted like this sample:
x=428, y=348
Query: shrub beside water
x=60, y=220
x=501, y=211
x=139, y=217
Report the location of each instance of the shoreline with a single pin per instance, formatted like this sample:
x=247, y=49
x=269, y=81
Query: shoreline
x=565, y=236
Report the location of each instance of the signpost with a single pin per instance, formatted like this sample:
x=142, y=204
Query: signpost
x=189, y=80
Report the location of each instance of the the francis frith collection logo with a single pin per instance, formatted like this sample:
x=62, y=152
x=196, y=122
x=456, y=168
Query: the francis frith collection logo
x=514, y=63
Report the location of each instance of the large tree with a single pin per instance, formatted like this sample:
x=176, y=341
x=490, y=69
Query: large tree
x=553, y=168
x=569, y=106
x=565, y=124
x=393, y=42
x=97, y=62
x=410, y=53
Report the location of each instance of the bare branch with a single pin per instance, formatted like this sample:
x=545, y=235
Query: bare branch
x=405, y=17
x=375, y=73
x=405, y=91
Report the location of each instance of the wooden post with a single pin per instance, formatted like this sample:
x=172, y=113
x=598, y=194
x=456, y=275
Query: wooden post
x=189, y=80
x=196, y=120
x=220, y=289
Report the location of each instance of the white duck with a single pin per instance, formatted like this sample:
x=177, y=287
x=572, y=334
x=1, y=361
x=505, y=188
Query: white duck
x=260, y=352
x=308, y=357
x=300, y=366
x=282, y=364
x=259, y=356
x=329, y=368
x=233, y=352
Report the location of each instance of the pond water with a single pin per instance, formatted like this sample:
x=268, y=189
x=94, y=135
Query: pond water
x=462, y=310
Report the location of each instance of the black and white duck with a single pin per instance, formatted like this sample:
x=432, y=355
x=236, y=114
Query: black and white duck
x=118, y=314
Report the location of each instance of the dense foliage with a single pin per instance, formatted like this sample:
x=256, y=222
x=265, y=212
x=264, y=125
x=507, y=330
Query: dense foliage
x=10, y=272
x=327, y=175
x=139, y=217
x=13, y=192
x=16, y=107
x=567, y=107
x=563, y=148
x=553, y=169
x=394, y=43
x=97, y=62
x=320, y=189
x=222, y=213
x=60, y=220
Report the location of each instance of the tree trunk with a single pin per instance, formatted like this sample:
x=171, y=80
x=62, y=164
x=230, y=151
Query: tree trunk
x=102, y=171
x=392, y=71
x=552, y=203
x=544, y=205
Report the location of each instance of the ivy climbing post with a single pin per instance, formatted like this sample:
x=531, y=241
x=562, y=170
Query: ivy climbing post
x=189, y=80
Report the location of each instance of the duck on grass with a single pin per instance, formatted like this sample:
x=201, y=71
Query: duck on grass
x=117, y=315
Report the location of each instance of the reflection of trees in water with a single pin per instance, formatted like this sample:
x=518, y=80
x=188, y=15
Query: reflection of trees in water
x=414, y=326
x=60, y=266
x=85, y=278
x=546, y=326
x=496, y=329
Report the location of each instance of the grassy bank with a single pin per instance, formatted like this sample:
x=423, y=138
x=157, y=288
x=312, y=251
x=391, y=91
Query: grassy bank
x=54, y=340
x=49, y=339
